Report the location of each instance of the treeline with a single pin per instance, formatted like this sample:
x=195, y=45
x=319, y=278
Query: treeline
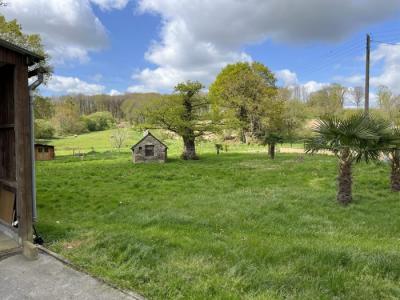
x=245, y=101
x=76, y=114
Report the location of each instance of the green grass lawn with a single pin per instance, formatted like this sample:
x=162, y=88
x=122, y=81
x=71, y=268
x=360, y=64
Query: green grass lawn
x=100, y=142
x=234, y=226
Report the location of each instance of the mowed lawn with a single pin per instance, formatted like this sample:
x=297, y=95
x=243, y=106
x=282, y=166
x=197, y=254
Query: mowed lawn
x=234, y=226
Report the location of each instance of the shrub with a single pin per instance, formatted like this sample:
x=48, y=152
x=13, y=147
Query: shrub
x=44, y=129
x=99, y=121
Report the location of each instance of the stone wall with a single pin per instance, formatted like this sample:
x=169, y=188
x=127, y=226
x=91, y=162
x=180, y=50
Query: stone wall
x=149, y=142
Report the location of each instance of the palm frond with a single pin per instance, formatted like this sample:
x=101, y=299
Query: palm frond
x=360, y=135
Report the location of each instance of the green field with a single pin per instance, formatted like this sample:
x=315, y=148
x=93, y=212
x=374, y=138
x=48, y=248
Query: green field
x=100, y=142
x=234, y=226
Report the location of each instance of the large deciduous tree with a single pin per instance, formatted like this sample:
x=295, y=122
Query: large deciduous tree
x=243, y=92
x=272, y=128
x=329, y=100
x=294, y=115
x=43, y=107
x=67, y=119
x=11, y=31
x=358, y=95
x=187, y=113
x=389, y=104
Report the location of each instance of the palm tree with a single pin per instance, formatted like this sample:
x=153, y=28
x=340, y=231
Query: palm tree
x=390, y=144
x=350, y=140
x=395, y=174
x=270, y=140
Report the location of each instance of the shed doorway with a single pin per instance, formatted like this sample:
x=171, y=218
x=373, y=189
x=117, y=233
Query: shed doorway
x=8, y=180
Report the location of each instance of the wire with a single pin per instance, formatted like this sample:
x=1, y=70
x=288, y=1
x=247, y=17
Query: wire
x=329, y=59
x=333, y=60
x=336, y=56
x=386, y=43
x=391, y=35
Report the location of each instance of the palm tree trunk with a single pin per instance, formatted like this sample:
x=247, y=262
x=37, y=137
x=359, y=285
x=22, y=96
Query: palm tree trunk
x=271, y=150
x=395, y=176
x=345, y=180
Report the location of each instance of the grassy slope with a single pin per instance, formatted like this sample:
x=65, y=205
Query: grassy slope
x=237, y=226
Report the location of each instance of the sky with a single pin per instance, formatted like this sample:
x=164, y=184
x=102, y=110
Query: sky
x=119, y=46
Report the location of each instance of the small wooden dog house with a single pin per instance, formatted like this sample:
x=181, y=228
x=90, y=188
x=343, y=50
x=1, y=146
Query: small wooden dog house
x=44, y=152
x=17, y=193
x=149, y=149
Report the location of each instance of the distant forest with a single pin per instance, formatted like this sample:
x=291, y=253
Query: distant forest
x=75, y=114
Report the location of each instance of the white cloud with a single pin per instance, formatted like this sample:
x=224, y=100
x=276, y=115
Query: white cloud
x=287, y=77
x=72, y=85
x=110, y=4
x=97, y=77
x=385, y=58
x=230, y=22
x=182, y=57
x=389, y=55
x=140, y=89
x=114, y=93
x=199, y=37
x=352, y=81
x=69, y=28
x=313, y=86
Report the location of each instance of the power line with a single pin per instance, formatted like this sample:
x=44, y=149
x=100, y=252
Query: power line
x=339, y=55
x=391, y=35
x=333, y=53
x=331, y=59
x=386, y=43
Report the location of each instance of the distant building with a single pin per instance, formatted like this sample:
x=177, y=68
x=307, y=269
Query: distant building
x=149, y=149
x=44, y=152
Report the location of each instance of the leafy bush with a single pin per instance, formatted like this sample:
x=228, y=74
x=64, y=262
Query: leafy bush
x=67, y=127
x=44, y=129
x=99, y=121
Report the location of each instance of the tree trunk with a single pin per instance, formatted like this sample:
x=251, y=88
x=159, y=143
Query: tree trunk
x=242, y=136
x=345, y=181
x=189, y=149
x=271, y=151
x=395, y=176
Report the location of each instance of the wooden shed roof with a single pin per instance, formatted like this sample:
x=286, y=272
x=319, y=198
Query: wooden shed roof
x=44, y=145
x=34, y=57
x=149, y=134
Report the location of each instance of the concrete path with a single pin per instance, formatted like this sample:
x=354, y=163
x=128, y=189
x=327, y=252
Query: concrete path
x=300, y=151
x=7, y=243
x=47, y=279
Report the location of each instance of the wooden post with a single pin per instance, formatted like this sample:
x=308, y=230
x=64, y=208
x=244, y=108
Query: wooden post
x=367, y=69
x=23, y=151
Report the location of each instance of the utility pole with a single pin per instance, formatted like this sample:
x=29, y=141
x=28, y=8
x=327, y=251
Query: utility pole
x=367, y=67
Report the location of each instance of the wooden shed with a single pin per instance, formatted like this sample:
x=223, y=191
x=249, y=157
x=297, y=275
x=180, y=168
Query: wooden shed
x=44, y=152
x=17, y=193
x=149, y=149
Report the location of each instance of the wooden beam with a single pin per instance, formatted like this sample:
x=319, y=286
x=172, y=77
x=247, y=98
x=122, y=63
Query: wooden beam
x=23, y=155
x=9, y=183
x=7, y=126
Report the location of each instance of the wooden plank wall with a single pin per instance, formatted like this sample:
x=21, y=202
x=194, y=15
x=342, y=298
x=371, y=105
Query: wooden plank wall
x=7, y=132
